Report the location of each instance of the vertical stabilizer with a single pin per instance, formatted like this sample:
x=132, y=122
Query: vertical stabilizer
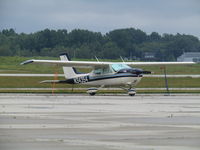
x=69, y=72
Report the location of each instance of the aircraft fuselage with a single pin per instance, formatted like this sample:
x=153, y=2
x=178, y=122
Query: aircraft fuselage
x=109, y=79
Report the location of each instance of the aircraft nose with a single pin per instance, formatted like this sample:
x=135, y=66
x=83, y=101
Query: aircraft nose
x=140, y=71
x=136, y=71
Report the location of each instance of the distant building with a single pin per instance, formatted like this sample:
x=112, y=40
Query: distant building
x=149, y=56
x=189, y=56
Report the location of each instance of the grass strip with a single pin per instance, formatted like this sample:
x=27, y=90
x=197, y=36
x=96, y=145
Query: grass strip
x=33, y=82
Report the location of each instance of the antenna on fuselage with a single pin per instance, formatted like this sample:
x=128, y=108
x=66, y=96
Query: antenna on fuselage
x=96, y=58
x=122, y=59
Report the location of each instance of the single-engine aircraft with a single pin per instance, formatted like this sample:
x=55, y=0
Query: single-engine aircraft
x=103, y=73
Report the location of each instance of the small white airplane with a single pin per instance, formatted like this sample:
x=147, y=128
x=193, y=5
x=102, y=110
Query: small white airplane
x=103, y=73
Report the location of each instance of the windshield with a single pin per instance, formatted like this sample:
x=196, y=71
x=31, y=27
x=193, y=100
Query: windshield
x=117, y=67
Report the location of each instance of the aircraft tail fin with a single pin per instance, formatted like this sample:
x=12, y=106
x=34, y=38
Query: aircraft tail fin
x=69, y=72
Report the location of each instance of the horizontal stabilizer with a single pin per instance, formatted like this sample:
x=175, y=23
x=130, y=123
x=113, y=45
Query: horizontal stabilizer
x=50, y=81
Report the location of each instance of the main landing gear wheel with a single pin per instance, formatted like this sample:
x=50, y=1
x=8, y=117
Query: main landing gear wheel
x=131, y=92
x=92, y=91
x=92, y=94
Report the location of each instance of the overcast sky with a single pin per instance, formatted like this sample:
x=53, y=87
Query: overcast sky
x=162, y=16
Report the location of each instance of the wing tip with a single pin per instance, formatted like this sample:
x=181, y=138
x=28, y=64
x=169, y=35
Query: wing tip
x=27, y=62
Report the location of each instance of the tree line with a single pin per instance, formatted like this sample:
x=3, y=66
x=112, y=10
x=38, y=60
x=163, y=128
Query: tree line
x=128, y=43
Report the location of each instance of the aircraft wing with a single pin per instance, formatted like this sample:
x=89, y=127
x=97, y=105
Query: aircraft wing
x=79, y=64
x=92, y=64
x=157, y=63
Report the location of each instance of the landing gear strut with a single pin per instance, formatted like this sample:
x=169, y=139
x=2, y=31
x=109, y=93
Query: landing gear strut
x=131, y=91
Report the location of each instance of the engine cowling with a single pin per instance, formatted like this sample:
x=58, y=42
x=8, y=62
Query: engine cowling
x=134, y=71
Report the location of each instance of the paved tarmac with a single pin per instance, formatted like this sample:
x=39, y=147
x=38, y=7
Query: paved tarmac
x=81, y=122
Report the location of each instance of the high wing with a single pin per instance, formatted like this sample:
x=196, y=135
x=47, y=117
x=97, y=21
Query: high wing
x=92, y=64
x=157, y=63
x=79, y=64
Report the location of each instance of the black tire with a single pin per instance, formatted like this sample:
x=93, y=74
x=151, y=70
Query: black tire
x=92, y=94
x=131, y=94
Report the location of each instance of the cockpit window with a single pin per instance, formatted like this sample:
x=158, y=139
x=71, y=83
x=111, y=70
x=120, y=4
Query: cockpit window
x=102, y=70
x=117, y=67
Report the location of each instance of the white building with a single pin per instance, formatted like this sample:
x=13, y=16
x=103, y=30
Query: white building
x=149, y=55
x=189, y=56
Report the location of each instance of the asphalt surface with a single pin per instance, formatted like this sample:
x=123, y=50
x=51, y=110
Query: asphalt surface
x=80, y=122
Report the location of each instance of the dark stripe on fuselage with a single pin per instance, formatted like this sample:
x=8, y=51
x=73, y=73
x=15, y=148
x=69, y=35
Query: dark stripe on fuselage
x=97, y=78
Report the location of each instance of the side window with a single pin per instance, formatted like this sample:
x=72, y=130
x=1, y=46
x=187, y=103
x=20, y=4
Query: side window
x=105, y=70
x=98, y=71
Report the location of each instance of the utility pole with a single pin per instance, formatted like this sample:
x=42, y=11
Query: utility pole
x=166, y=81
